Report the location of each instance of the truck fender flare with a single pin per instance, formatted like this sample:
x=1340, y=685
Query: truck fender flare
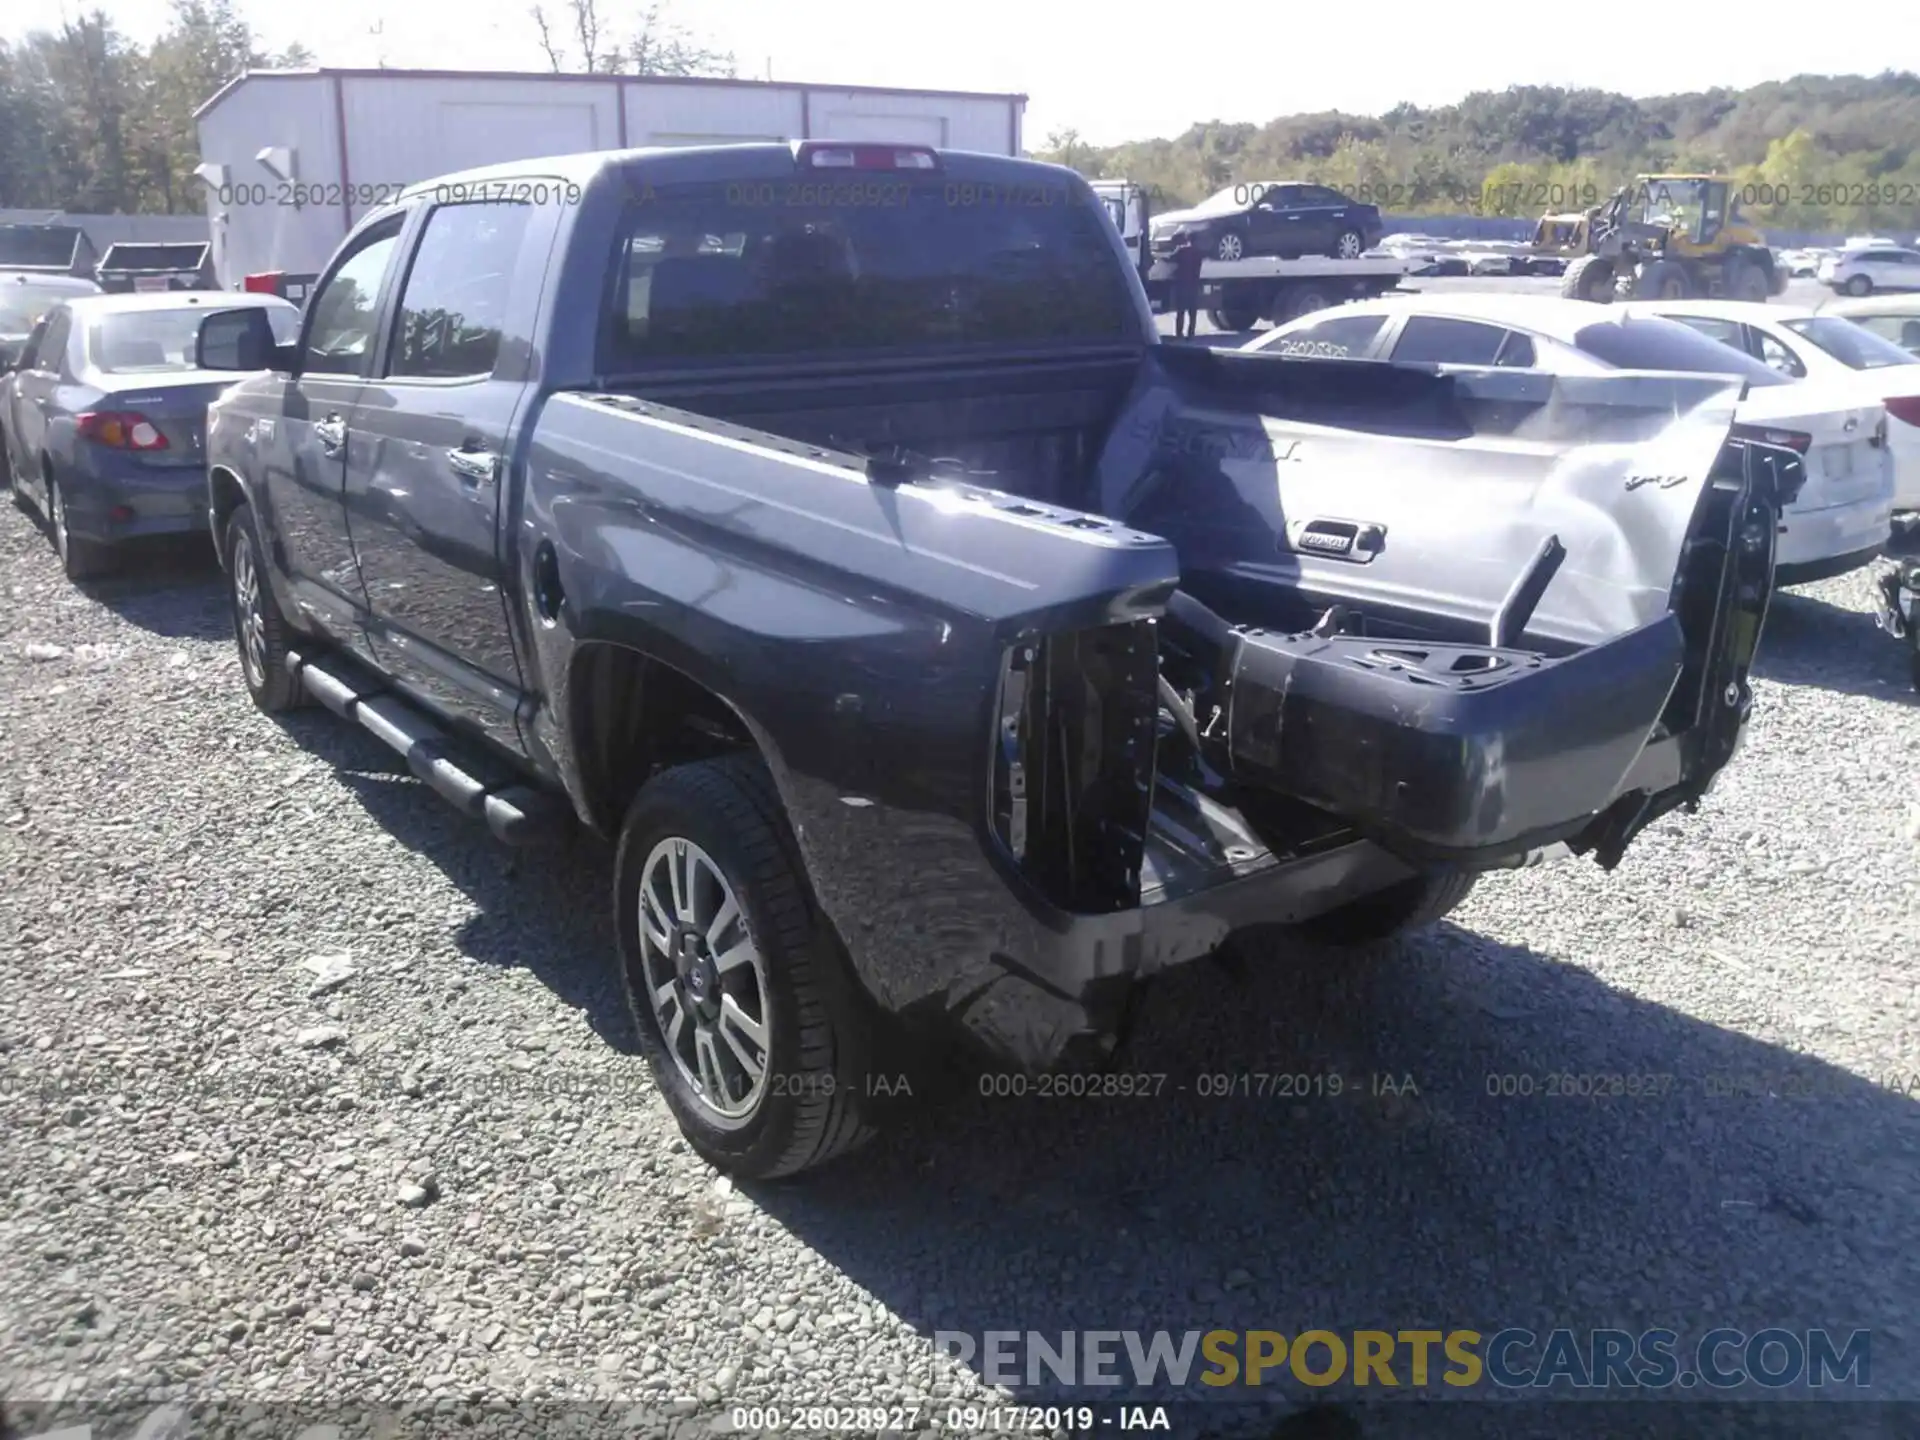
x=227, y=491
x=685, y=671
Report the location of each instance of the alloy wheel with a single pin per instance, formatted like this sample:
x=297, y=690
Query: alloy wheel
x=706, y=980
x=57, y=519
x=249, y=617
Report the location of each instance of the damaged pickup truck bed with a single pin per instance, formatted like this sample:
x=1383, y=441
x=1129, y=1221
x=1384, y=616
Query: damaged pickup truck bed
x=828, y=525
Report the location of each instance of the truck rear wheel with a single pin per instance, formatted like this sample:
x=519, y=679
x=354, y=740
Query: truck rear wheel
x=743, y=1003
x=1304, y=299
x=1235, y=316
x=1398, y=910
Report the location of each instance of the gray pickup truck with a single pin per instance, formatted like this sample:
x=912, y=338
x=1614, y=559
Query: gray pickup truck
x=829, y=526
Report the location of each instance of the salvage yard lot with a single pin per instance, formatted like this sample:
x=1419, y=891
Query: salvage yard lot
x=308, y=1089
x=1808, y=293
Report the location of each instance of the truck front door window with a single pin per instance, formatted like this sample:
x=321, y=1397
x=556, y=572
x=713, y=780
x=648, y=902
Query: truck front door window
x=886, y=264
x=455, y=297
x=340, y=335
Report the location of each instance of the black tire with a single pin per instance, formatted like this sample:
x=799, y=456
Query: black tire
x=260, y=630
x=16, y=492
x=818, y=1041
x=80, y=559
x=12, y=480
x=1236, y=317
x=1348, y=245
x=1662, y=280
x=1744, y=280
x=1588, y=278
x=1304, y=299
x=1231, y=245
x=1858, y=285
x=1398, y=910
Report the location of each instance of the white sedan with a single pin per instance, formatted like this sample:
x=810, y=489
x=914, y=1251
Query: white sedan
x=1803, y=345
x=1842, y=518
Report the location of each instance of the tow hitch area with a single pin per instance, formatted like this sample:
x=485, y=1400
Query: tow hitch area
x=1444, y=752
x=1481, y=731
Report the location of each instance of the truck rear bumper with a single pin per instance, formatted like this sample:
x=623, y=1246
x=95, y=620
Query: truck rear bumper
x=1449, y=753
x=1205, y=876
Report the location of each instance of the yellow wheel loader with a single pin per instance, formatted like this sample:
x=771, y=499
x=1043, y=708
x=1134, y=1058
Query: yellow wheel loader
x=1664, y=237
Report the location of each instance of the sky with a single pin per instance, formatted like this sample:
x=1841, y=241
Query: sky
x=1152, y=74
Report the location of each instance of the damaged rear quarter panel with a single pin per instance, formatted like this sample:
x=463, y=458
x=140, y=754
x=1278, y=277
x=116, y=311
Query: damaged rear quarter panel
x=857, y=629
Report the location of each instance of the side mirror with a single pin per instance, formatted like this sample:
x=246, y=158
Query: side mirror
x=240, y=340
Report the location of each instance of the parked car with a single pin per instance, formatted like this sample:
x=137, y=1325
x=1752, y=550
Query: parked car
x=102, y=423
x=1880, y=267
x=1842, y=519
x=868, y=582
x=24, y=297
x=145, y=266
x=1276, y=217
x=1891, y=317
x=1801, y=344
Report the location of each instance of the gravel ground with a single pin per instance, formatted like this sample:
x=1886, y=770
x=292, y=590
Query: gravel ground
x=310, y=1092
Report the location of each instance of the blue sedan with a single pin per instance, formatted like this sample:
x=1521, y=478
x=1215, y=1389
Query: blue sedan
x=103, y=419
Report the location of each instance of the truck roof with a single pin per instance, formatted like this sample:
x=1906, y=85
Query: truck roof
x=681, y=163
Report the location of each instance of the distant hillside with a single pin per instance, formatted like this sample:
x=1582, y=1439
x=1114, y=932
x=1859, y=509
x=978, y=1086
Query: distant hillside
x=1814, y=152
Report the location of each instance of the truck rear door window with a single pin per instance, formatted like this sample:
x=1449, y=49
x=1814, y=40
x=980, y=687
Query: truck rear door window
x=455, y=298
x=881, y=264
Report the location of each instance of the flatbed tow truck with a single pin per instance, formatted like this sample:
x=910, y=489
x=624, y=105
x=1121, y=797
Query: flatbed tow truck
x=1238, y=294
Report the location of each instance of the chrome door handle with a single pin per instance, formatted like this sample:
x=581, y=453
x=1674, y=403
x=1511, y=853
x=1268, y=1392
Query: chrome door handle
x=477, y=467
x=331, y=433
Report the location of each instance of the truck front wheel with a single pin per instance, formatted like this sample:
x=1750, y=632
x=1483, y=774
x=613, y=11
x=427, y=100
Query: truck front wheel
x=1411, y=905
x=743, y=1003
x=259, y=629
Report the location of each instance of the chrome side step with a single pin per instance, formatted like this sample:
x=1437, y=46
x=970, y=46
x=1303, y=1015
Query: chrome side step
x=516, y=812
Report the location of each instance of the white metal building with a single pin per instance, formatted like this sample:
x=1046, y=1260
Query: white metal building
x=291, y=158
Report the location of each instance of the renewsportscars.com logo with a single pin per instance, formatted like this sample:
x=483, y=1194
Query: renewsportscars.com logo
x=1600, y=1359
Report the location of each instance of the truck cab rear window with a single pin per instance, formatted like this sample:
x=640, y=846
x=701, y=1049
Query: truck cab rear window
x=717, y=271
